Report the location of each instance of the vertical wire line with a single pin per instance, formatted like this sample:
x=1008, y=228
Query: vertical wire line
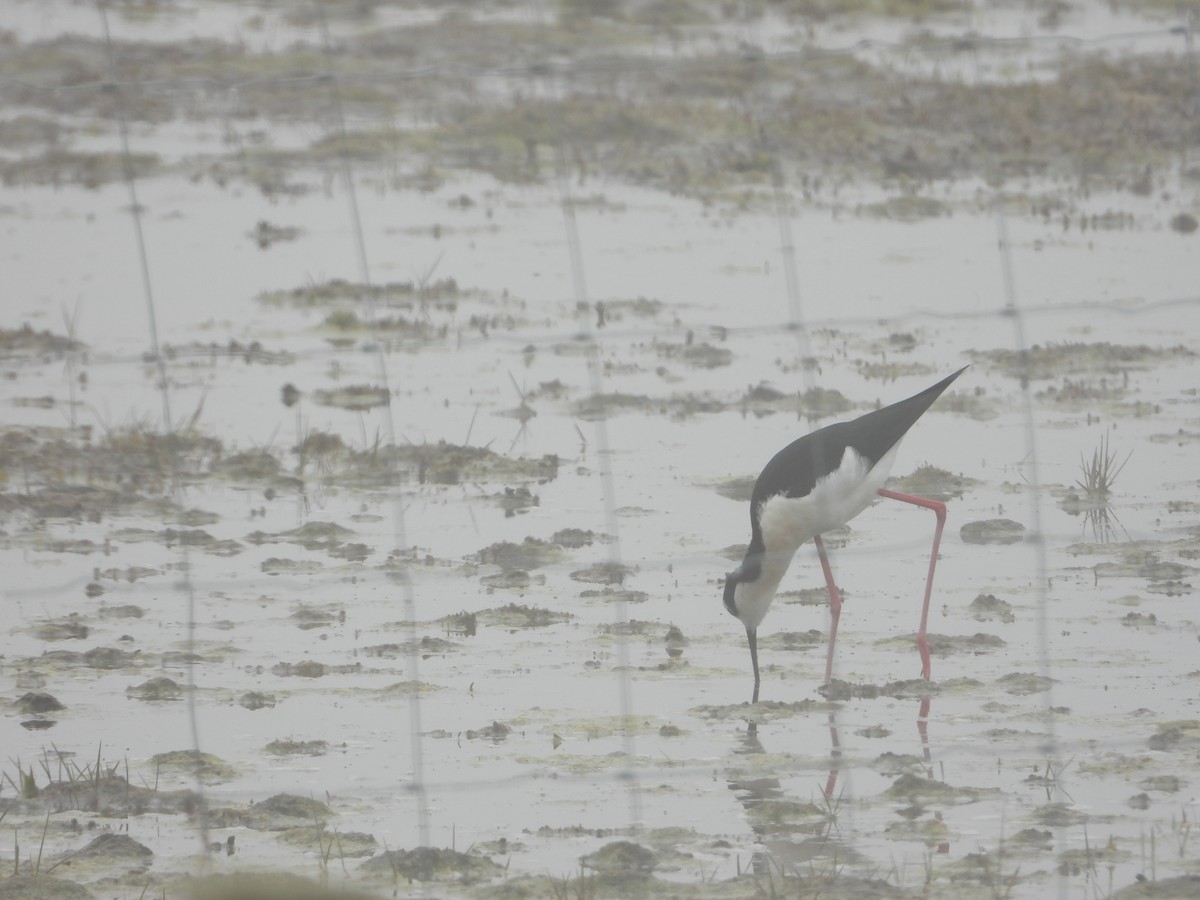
x=782, y=206
x=1033, y=494
x=402, y=574
x=787, y=252
x=604, y=455
x=1193, y=109
x=201, y=817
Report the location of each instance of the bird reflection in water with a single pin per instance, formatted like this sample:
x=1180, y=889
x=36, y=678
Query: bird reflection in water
x=793, y=831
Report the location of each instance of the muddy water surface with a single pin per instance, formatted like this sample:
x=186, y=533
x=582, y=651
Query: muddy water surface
x=398, y=568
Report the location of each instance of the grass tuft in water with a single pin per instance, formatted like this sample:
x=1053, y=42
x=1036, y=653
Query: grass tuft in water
x=1100, y=472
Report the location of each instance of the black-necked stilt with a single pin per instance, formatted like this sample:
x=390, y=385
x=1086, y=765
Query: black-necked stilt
x=815, y=484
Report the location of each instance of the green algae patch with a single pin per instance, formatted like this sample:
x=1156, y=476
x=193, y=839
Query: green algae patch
x=699, y=356
x=1039, y=362
x=620, y=856
x=929, y=831
x=920, y=789
x=961, y=685
x=907, y=208
x=943, y=645
x=297, y=748
x=427, y=463
x=404, y=688
x=195, y=763
x=782, y=816
x=337, y=292
x=1116, y=764
x=1058, y=815
x=444, y=463
x=432, y=864
x=602, y=406
x=906, y=689
x=986, y=607
x=934, y=483
x=156, y=690
x=327, y=537
x=531, y=553
x=574, y=538
x=515, y=615
x=496, y=732
x=602, y=573
x=1179, y=735
x=308, y=668
x=424, y=646
x=341, y=844
x=1167, y=784
x=1034, y=838
x=60, y=167
x=763, y=711
x=354, y=397
x=1024, y=683
x=284, y=811
x=820, y=403
x=599, y=727
x=992, y=531
x=1183, y=887
x=991, y=872
x=41, y=887
x=36, y=703
x=793, y=640
x=276, y=565
x=114, y=847
x=264, y=885
x=26, y=343
x=894, y=764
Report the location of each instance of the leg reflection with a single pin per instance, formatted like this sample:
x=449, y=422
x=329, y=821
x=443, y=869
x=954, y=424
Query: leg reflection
x=835, y=756
x=923, y=713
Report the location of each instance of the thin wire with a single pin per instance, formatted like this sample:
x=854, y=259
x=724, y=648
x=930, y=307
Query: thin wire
x=1193, y=110
x=607, y=489
x=201, y=815
x=401, y=573
x=1034, y=486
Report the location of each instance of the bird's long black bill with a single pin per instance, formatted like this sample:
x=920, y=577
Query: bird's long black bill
x=752, y=637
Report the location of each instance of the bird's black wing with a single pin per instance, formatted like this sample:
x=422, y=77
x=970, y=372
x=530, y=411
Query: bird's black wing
x=795, y=470
x=875, y=433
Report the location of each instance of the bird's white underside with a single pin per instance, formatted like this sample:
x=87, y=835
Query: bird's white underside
x=788, y=522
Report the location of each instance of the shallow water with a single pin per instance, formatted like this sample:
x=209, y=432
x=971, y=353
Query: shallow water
x=1001, y=783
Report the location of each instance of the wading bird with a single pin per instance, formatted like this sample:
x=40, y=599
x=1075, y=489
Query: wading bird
x=813, y=485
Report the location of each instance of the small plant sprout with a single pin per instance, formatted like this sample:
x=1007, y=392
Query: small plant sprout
x=1096, y=480
x=1100, y=472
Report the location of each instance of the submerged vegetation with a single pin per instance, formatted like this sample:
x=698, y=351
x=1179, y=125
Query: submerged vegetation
x=716, y=122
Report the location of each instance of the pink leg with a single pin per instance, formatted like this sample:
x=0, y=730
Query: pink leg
x=939, y=510
x=835, y=606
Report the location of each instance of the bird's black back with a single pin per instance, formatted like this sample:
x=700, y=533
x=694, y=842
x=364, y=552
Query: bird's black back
x=795, y=469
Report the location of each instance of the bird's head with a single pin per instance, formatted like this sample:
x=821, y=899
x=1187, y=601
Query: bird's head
x=740, y=585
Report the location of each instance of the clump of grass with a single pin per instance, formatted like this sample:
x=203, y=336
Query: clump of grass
x=1100, y=472
x=578, y=887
